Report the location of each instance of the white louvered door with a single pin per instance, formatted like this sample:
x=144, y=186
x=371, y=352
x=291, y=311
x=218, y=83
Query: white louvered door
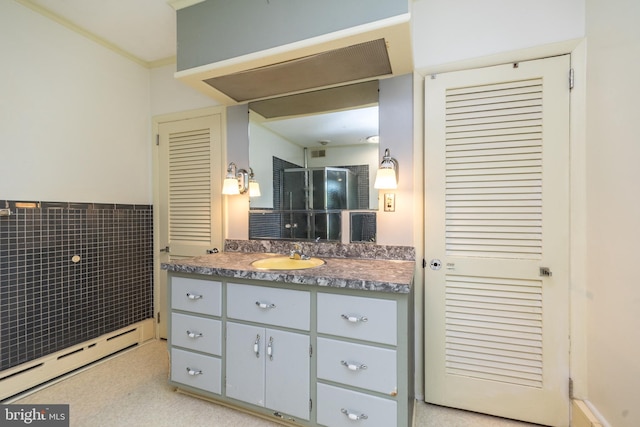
x=496, y=212
x=190, y=185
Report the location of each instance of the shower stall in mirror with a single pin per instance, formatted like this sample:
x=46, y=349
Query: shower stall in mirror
x=312, y=201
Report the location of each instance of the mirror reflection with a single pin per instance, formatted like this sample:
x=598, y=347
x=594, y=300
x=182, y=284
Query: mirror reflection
x=314, y=156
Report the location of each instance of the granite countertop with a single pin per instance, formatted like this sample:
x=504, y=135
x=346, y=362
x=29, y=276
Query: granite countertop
x=364, y=274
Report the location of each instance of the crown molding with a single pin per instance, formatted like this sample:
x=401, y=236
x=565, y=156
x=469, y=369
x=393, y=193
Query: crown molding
x=162, y=62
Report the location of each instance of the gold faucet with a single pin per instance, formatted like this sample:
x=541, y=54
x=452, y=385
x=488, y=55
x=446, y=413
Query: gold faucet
x=296, y=252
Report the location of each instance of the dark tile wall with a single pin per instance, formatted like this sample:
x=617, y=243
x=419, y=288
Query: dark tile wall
x=70, y=272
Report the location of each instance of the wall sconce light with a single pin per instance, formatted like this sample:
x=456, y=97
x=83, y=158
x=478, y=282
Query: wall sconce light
x=254, y=186
x=387, y=175
x=236, y=181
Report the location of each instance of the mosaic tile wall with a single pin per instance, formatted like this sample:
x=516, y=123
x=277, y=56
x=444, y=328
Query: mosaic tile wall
x=70, y=272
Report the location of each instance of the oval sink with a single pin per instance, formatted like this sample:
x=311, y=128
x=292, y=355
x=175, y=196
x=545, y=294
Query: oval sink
x=286, y=263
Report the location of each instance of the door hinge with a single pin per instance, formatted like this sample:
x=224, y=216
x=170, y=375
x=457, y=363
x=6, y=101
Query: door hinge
x=157, y=139
x=310, y=351
x=310, y=405
x=570, y=388
x=158, y=318
x=424, y=263
x=571, y=78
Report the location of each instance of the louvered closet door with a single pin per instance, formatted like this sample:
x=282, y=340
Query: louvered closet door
x=190, y=175
x=496, y=212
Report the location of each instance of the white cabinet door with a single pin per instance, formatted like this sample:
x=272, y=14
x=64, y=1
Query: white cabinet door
x=245, y=363
x=268, y=368
x=287, y=372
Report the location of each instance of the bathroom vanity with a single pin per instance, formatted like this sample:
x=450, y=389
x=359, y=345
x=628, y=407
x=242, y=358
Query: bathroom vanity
x=328, y=346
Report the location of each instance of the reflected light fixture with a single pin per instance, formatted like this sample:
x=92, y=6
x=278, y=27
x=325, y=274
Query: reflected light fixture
x=236, y=180
x=387, y=175
x=254, y=186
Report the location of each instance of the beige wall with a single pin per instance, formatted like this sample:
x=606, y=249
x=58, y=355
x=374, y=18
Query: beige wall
x=74, y=116
x=613, y=209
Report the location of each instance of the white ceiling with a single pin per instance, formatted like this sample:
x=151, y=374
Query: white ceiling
x=145, y=29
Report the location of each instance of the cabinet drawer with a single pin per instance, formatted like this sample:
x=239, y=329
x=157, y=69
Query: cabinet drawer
x=363, y=318
x=338, y=407
x=271, y=306
x=196, y=295
x=363, y=366
x=196, y=370
x=196, y=333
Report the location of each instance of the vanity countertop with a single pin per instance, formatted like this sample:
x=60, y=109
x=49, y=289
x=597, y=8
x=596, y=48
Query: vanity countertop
x=364, y=274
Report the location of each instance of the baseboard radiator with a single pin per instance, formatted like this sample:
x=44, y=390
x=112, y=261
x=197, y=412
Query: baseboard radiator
x=31, y=374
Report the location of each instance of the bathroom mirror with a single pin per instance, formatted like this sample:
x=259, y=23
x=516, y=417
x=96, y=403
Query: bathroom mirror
x=314, y=156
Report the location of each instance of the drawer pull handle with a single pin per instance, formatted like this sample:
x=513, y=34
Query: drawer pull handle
x=193, y=372
x=270, y=348
x=256, y=346
x=353, y=366
x=193, y=296
x=352, y=416
x=354, y=319
x=265, y=305
x=194, y=334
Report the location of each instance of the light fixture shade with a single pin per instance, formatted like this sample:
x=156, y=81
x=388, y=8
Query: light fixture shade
x=387, y=175
x=236, y=181
x=385, y=179
x=254, y=188
x=230, y=186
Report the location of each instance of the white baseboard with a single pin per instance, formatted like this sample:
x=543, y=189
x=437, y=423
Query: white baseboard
x=31, y=374
x=583, y=416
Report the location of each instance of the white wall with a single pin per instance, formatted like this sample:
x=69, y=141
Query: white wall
x=396, y=134
x=74, y=116
x=447, y=32
x=169, y=95
x=263, y=146
x=613, y=209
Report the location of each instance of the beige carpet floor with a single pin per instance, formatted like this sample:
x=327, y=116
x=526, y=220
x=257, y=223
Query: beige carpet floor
x=131, y=390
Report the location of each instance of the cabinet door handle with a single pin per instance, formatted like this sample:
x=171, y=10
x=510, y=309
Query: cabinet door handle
x=352, y=416
x=270, y=348
x=193, y=372
x=353, y=319
x=265, y=305
x=194, y=334
x=256, y=346
x=353, y=366
x=193, y=296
